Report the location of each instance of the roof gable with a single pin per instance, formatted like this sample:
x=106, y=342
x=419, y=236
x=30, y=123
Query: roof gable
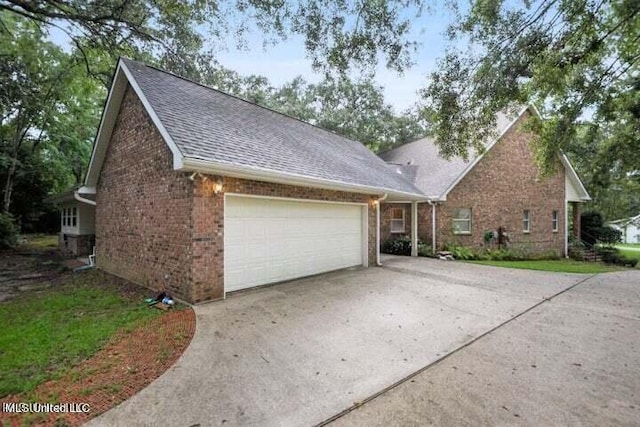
x=437, y=177
x=210, y=131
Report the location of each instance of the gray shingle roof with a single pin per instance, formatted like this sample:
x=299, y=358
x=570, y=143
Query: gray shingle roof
x=210, y=125
x=420, y=162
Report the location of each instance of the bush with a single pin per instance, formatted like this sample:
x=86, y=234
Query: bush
x=503, y=255
x=8, y=231
x=398, y=246
x=460, y=252
x=609, y=235
x=576, y=249
x=425, y=250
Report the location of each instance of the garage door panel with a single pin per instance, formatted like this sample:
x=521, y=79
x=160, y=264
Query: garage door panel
x=271, y=240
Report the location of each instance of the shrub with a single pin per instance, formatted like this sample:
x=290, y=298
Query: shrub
x=8, y=231
x=590, y=223
x=609, y=235
x=503, y=255
x=425, y=250
x=398, y=246
x=576, y=249
x=461, y=252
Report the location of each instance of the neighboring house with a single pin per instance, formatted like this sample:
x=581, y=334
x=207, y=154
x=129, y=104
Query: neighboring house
x=497, y=193
x=629, y=227
x=77, y=223
x=202, y=193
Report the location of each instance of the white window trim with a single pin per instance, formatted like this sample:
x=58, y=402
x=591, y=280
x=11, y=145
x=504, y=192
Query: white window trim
x=526, y=219
x=555, y=221
x=66, y=219
x=463, y=220
x=395, y=221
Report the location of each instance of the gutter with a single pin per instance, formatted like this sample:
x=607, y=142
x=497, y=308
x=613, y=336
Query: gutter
x=377, y=202
x=190, y=164
x=79, y=198
x=433, y=224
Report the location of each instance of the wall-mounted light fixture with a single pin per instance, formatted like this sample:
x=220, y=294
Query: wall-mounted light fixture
x=217, y=186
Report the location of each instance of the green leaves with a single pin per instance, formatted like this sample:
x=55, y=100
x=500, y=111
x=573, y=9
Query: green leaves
x=569, y=57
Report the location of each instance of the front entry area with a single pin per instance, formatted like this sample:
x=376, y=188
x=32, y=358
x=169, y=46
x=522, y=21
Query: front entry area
x=268, y=240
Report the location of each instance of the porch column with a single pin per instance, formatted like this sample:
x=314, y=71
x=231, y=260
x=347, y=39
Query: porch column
x=414, y=228
x=575, y=210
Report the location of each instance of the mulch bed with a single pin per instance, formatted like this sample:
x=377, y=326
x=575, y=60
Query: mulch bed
x=128, y=363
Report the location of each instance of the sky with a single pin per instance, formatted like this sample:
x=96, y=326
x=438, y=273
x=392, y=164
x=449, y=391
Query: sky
x=286, y=60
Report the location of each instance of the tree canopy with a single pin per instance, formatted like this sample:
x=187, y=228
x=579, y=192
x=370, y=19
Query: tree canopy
x=576, y=60
x=183, y=35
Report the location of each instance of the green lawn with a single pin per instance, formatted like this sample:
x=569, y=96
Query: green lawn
x=41, y=241
x=559, y=266
x=47, y=332
x=629, y=245
x=629, y=252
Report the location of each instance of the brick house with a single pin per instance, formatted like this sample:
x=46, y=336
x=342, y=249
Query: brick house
x=497, y=193
x=202, y=193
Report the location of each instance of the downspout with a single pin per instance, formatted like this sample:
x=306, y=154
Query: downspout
x=433, y=224
x=377, y=202
x=82, y=199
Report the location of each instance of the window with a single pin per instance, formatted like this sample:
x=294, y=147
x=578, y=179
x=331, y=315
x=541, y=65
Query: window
x=397, y=220
x=69, y=217
x=526, y=221
x=462, y=221
x=554, y=221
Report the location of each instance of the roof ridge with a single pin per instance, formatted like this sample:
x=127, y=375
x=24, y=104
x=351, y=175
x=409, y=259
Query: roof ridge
x=404, y=144
x=238, y=98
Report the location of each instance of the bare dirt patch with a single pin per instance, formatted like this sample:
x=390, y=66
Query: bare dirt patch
x=128, y=363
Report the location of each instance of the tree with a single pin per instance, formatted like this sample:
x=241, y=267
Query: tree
x=577, y=60
x=182, y=34
x=48, y=108
x=354, y=109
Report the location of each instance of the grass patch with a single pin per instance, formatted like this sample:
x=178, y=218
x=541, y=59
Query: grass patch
x=629, y=253
x=41, y=241
x=628, y=245
x=558, y=266
x=47, y=332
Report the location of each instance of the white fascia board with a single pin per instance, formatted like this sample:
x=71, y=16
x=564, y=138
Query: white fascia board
x=107, y=122
x=574, y=178
x=121, y=77
x=190, y=164
x=471, y=165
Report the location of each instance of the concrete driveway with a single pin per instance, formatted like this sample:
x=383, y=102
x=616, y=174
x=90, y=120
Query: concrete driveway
x=302, y=352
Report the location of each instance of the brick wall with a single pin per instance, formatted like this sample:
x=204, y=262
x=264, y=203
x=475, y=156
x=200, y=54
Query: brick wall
x=498, y=189
x=385, y=221
x=143, y=212
x=156, y=227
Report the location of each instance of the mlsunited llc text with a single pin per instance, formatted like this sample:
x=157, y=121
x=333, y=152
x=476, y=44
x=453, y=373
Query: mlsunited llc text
x=19, y=407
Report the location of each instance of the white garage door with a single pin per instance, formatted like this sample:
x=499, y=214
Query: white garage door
x=271, y=240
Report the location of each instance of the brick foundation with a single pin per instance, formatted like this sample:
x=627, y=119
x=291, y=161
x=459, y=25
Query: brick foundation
x=74, y=245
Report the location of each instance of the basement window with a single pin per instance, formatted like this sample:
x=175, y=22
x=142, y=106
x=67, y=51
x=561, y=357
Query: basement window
x=397, y=220
x=554, y=221
x=462, y=221
x=526, y=221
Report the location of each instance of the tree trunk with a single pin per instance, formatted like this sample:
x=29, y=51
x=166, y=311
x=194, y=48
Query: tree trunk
x=21, y=132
